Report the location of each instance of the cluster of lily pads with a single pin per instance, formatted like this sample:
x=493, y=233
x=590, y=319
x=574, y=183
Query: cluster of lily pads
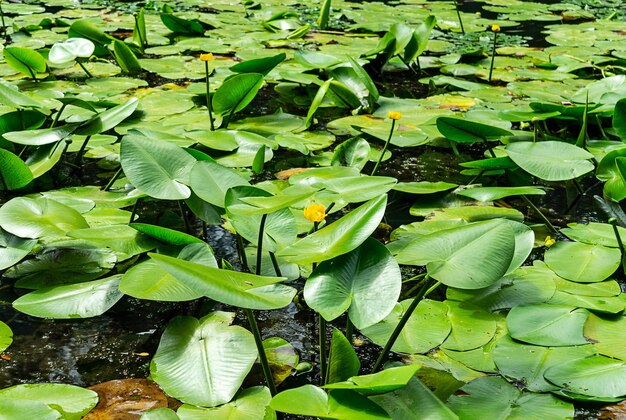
x=481, y=294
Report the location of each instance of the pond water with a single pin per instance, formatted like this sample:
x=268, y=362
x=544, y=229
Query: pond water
x=120, y=343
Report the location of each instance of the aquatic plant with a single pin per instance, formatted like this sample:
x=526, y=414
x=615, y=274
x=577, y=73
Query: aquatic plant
x=446, y=264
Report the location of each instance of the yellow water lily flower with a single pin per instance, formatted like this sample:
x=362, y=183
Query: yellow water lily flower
x=315, y=212
x=549, y=241
x=394, y=115
x=206, y=57
x=495, y=28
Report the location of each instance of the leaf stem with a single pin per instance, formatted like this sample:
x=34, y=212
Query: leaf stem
x=458, y=13
x=85, y=69
x=262, y=356
x=493, y=55
x=114, y=178
x=541, y=215
x=252, y=320
x=134, y=211
x=259, y=253
x=208, y=95
x=241, y=250
x=79, y=156
x=382, y=357
x=349, y=328
x=382, y=154
x=184, y=216
x=275, y=264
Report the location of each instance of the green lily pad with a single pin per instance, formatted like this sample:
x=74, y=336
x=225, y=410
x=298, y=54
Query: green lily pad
x=72, y=402
x=477, y=401
x=496, y=193
x=59, y=266
x=451, y=255
x=524, y=286
x=472, y=327
x=203, y=362
x=365, y=282
x=594, y=233
x=527, y=363
x=426, y=329
x=582, y=263
x=547, y=325
x=6, y=336
x=595, y=376
x=387, y=380
x=35, y=218
x=82, y=300
x=309, y=400
x=550, y=160
x=605, y=333
x=250, y=403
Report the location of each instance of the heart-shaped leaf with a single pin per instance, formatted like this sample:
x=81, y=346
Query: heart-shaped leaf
x=366, y=282
x=467, y=257
x=203, y=362
x=550, y=160
x=156, y=167
x=34, y=218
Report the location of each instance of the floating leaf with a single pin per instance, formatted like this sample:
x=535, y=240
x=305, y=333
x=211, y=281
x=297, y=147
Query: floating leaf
x=467, y=257
x=465, y=131
x=82, y=300
x=309, y=400
x=71, y=401
x=34, y=218
x=526, y=363
x=387, y=380
x=550, y=160
x=426, y=329
x=250, y=403
x=496, y=193
x=583, y=263
x=365, y=282
x=547, y=325
x=595, y=376
x=203, y=362
x=472, y=327
x=477, y=401
x=158, y=168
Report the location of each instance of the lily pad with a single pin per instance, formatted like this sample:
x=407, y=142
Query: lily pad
x=477, y=401
x=547, y=325
x=365, y=282
x=583, y=263
x=203, y=362
x=550, y=160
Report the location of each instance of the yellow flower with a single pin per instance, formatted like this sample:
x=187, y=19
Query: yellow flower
x=394, y=115
x=206, y=57
x=315, y=212
x=495, y=28
x=549, y=241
